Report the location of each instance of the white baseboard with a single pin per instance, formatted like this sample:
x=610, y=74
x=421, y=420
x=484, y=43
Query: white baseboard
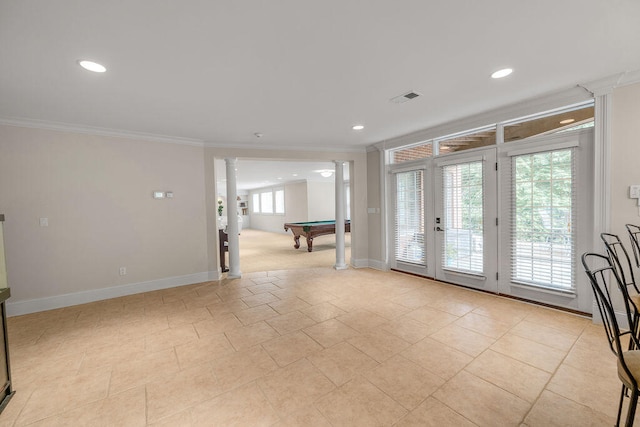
x=621, y=317
x=360, y=263
x=17, y=308
x=378, y=265
x=369, y=263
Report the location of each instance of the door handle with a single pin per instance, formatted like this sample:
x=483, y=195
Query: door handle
x=439, y=229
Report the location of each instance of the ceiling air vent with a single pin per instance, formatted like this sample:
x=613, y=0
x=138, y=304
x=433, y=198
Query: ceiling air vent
x=405, y=97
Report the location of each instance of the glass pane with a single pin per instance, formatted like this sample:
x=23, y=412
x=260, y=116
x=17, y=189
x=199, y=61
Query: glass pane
x=417, y=152
x=409, y=217
x=463, y=217
x=560, y=122
x=266, y=202
x=279, y=201
x=466, y=142
x=543, y=250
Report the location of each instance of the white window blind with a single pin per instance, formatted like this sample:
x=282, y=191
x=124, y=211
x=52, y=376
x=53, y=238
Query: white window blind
x=279, y=195
x=409, y=217
x=543, y=219
x=463, y=194
x=256, y=203
x=266, y=202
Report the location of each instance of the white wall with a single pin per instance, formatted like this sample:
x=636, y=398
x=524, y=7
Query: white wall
x=303, y=201
x=321, y=201
x=295, y=202
x=96, y=193
x=625, y=158
x=377, y=250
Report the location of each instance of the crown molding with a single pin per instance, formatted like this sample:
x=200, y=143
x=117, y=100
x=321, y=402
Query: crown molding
x=574, y=95
x=606, y=85
x=305, y=148
x=89, y=130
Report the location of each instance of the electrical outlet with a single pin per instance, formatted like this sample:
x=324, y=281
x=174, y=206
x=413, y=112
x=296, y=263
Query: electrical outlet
x=634, y=192
x=123, y=271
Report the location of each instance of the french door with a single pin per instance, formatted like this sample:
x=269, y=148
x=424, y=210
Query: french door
x=465, y=219
x=510, y=219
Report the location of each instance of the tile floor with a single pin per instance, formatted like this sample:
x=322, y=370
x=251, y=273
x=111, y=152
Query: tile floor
x=313, y=347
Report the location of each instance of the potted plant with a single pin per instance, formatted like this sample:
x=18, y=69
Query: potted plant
x=220, y=207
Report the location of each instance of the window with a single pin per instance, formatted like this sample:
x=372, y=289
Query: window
x=542, y=222
x=416, y=152
x=409, y=217
x=463, y=213
x=279, y=195
x=256, y=202
x=550, y=123
x=266, y=202
x=478, y=138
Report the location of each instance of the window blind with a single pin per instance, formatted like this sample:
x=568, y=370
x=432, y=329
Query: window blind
x=543, y=212
x=463, y=202
x=409, y=217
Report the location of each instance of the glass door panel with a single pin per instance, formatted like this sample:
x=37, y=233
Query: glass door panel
x=409, y=248
x=465, y=200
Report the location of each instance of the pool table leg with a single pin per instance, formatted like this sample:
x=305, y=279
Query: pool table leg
x=309, y=243
x=296, y=239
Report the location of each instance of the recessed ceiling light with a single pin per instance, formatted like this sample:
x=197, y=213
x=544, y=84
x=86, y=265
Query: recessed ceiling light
x=294, y=174
x=502, y=73
x=92, y=66
x=326, y=173
x=258, y=135
x=567, y=121
x=357, y=127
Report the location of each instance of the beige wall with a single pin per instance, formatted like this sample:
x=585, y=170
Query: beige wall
x=374, y=200
x=321, y=201
x=295, y=202
x=625, y=157
x=96, y=193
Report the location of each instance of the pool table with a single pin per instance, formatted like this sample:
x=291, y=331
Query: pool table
x=312, y=229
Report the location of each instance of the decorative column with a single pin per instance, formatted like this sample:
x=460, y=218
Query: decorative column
x=340, y=203
x=232, y=220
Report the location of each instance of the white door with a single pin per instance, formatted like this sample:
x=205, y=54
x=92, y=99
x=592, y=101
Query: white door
x=465, y=220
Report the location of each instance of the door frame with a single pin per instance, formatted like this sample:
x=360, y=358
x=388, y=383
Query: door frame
x=486, y=280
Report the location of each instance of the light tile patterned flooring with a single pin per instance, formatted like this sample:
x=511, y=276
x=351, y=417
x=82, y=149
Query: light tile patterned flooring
x=314, y=347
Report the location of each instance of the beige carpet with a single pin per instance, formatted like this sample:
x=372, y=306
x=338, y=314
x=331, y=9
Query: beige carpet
x=265, y=251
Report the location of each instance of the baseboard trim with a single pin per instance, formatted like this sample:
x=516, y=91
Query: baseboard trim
x=17, y=308
x=370, y=263
x=621, y=317
x=378, y=265
x=360, y=263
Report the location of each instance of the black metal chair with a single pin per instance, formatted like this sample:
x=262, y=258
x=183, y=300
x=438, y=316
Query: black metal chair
x=621, y=262
x=634, y=236
x=602, y=278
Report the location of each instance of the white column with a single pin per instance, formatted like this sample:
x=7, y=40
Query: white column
x=232, y=220
x=340, y=202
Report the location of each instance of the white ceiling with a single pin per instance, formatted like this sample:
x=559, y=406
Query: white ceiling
x=252, y=174
x=299, y=72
